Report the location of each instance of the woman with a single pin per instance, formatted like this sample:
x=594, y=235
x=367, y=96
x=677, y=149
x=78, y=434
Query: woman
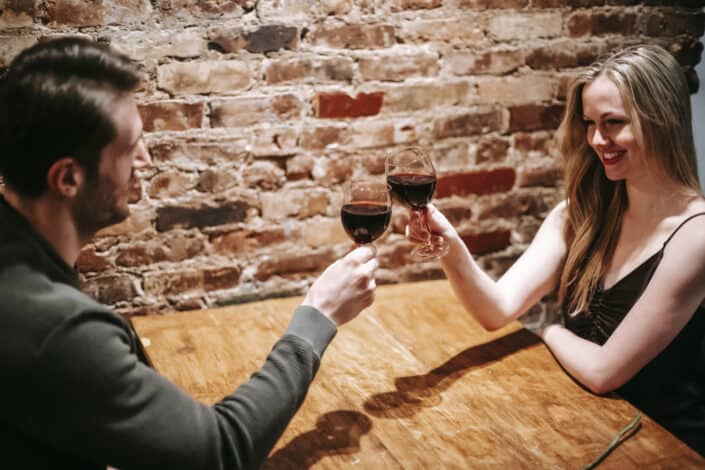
x=625, y=251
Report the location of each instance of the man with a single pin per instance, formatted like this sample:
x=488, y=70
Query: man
x=75, y=394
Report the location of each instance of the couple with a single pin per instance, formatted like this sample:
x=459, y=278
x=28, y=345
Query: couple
x=624, y=252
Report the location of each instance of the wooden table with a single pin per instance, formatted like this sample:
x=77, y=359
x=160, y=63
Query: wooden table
x=412, y=383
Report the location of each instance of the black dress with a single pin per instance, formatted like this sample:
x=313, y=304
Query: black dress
x=670, y=388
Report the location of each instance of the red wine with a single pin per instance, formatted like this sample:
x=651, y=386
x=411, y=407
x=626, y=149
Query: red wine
x=365, y=221
x=413, y=189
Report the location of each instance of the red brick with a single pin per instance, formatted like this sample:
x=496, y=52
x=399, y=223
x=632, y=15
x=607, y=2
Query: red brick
x=398, y=67
x=284, y=263
x=491, y=150
x=427, y=96
x=340, y=105
x=124, y=12
x=458, y=31
x=221, y=278
x=190, y=303
x=514, y=205
x=318, y=138
x=264, y=175
x=186, y=9
x=511, y=26
x=535, y=117
x=211, y=181
x=548, y=3
x=478, y=182
x=492, y=4
x=309, y=69
x=473, y=123
x=75, y=12
x=206, y=153
x=563, y=54
x=89, y=261
x=278, y=141
x=169, y=184
x=171, y=115
x=483, y=243
x=171, y=248
x=329, y=171
x=173, y=282
x=10, y=46
x=157, y=44
x=247, y=240
x=18, y=13
x=598, y=23
x=673, y=24
x=535, y=175
x=298, y=202
x=270, y=38
x=299, y=167
x=214, y=76
x=110, y=288
x=287, y=106
x=355, y=36
x=403, y=5
x=374, y=134
x=170, y=217
x=456, y=214
x=251, y=110
x=526, y=142
x=497, y=62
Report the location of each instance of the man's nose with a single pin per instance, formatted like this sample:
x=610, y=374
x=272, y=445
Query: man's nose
x=142, y=159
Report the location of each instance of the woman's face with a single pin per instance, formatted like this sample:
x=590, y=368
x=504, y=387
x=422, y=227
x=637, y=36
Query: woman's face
x=610, y=132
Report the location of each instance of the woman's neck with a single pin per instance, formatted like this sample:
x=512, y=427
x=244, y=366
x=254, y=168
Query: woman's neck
x=657, y=198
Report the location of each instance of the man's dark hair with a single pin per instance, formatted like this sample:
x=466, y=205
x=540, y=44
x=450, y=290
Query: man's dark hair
x=54, y=101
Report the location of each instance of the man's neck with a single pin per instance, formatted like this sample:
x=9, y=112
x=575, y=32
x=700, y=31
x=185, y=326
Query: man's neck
x=52, y=219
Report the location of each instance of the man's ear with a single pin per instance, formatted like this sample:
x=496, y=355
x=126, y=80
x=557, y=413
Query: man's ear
x=65, y=177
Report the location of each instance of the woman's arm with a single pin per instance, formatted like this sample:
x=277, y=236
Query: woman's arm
x=674, y=293
x=495, y=303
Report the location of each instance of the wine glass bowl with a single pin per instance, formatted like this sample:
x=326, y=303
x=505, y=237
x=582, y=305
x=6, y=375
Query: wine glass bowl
x=366, y=210
x=411, y=177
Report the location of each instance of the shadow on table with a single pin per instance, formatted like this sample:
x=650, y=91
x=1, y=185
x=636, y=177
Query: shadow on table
x=336, y=433
x=416, y=392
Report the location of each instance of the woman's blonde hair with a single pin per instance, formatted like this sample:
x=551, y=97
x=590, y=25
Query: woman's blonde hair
x=655, y=94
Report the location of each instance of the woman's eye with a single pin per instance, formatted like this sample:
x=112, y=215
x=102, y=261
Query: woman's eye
x=588, y=123
x=614, y=122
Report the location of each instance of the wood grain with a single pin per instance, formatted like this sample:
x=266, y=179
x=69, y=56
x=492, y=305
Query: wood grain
x=412, y=383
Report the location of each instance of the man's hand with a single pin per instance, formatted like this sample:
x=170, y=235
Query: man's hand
x=346, y=287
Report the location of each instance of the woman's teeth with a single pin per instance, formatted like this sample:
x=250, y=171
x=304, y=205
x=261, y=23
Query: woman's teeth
x=613, y=155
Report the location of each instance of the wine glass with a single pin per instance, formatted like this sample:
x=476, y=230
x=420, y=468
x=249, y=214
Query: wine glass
x=366, y=211
x=412, y=179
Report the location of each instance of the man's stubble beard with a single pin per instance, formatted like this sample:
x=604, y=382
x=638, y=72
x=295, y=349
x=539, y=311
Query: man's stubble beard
x=98, y=206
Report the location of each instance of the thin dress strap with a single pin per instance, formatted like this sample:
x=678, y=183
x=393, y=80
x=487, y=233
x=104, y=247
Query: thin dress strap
x=679, y=227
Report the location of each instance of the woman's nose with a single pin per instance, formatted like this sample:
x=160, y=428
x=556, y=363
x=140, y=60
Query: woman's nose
x=598, y=138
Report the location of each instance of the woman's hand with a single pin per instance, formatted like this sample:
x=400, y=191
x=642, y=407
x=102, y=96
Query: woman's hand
x=436, y=222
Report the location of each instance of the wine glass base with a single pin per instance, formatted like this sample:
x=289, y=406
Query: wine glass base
x=429, y=252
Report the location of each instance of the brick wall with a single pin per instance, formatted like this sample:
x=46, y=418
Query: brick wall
x=257, y=111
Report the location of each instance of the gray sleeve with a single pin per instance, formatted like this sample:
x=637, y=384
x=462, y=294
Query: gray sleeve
x=106, y=406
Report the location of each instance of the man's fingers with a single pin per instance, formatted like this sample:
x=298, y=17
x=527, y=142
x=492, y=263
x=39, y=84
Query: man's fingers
x=363, y=254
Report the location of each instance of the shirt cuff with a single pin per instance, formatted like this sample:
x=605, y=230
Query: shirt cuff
x=310, y=324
